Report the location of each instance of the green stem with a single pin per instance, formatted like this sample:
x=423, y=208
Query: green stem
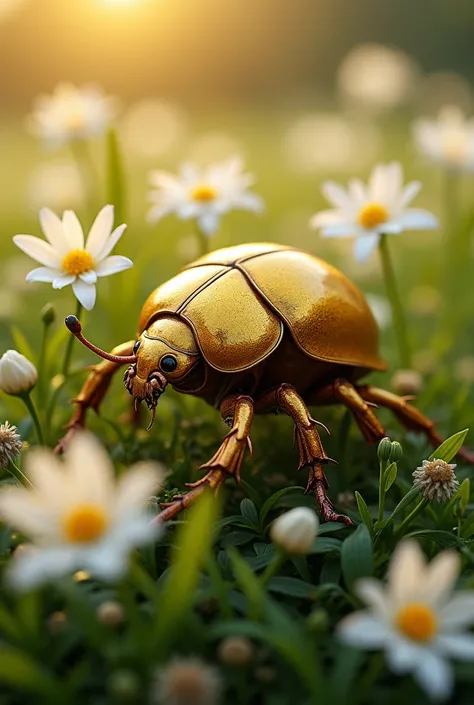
x=278, y=559
x=32, y=410
x=395, y=303
x=18, y=474
x=70, y=344
x=381, y=492
x=203, y=240
x=88, y=173
x=42, y=361
x=408, y=520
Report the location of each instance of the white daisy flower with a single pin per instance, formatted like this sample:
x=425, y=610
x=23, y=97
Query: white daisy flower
x=367, y=212
x=67, y=260
x=415, y=618
x=203, y=195
x=78, y=516
x=448, y=140
x=71, y=113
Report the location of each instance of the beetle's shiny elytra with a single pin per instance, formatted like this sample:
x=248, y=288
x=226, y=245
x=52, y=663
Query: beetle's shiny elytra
x=257, y=328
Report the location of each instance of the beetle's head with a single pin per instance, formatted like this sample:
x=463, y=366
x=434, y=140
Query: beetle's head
x=165, y=352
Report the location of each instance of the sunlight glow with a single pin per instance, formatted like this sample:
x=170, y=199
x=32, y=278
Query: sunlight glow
x=119, y=2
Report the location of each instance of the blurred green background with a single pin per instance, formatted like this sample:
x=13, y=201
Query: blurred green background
x=304, y=90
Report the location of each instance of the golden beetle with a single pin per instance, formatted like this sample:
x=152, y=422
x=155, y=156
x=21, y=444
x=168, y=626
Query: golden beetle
x=255, y=328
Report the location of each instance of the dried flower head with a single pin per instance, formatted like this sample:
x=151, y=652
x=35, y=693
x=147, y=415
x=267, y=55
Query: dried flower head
x=10, y=444
x=186, y=681
x=436, y=480
x=235, y=651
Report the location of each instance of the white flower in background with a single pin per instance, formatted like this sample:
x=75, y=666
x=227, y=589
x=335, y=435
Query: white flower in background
x=377, y=77
x=10, y=444
x=17, y=374
x=67, y=260
x=71, y=113
x=78, y=516
x=447, y=140
x=56, y=184
x=437, y=480
x=295, y=531
x=415, y=618
x=367, y=212
x=381, y=310
x=203, y=195
x=186, y=681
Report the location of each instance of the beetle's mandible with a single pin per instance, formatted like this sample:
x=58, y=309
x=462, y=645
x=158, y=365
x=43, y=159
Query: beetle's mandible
x=256, y=328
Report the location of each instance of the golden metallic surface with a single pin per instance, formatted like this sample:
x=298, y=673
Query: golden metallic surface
x=237, y=298
x=234, y=329
x=170, y=295
x=327, y=315
x=172, y=330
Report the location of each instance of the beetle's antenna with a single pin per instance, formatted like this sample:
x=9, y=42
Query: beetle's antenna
x=75, y=327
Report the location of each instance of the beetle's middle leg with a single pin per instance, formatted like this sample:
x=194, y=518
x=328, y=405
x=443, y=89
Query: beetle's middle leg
x=308, y=442
x=237, y=411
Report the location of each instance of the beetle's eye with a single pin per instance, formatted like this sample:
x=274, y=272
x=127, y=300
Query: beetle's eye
x=168, y=363
x=136, y=346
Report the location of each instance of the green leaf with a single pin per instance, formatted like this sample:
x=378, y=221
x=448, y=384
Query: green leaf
x=329, y=527
x=443, y=538
x=271, y=501
x=21, y=344
x=467, y=529
x=249, y=583
x=448, y=449
x=249, y=511
x=326, y=544
x=364, y=511
x=293, y=587
x=237, y=538
x=193, y=542
x=115, y=176
x=19, y=671
x=389, y=476
x=356, y=555
x=410, y=496
x=464, y=493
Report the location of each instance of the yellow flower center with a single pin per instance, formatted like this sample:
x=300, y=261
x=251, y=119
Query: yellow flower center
x=75, y=121
x=203, y=193
x=85, y=523
x=77, y=262
x=417, y=621
x=373, y=214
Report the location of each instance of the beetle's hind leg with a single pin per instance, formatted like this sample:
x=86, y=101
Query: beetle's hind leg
x=409, y=416
x=237, y=411
x=308, y=442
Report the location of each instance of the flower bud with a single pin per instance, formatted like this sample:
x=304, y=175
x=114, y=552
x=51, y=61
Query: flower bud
x=384, y=449
x=318, y=620
x=295, y=531
x=235, y=651
x=17, y=374
x=396, y=452
x=124, y=686
x=48, y=314
x=407, y=382
x=110, y=613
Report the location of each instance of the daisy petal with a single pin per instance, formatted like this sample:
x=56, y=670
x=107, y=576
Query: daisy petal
x=137, y=486
x=84, y=293
x=111, y=242
x=372, y=593
x=457, y=646
x=89, y=277
x=38, y=249
x=409, y=192
x=434, y=675
x=112, y=265
x=338, y=230
x=90, y=469
x=42, y=274
x=417, y=219
x=323, y=218
x=459, y=611
x=364, y=631
x=63, y=280
x=40, y=566
x=23, y=511
x=364, y=245
x=336, y=195
x=73, y=230
x=406, y=573
x=53, y=229
x=209, y=223
x=107, y=562
x=402, y=655
x=440, y=576
x=100, y=231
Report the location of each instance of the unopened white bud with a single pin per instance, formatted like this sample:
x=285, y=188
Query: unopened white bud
x=295, y=531
x=17, y=374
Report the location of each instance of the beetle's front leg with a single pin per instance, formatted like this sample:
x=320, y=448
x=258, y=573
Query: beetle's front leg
x=237, y=411
x=92, y=393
